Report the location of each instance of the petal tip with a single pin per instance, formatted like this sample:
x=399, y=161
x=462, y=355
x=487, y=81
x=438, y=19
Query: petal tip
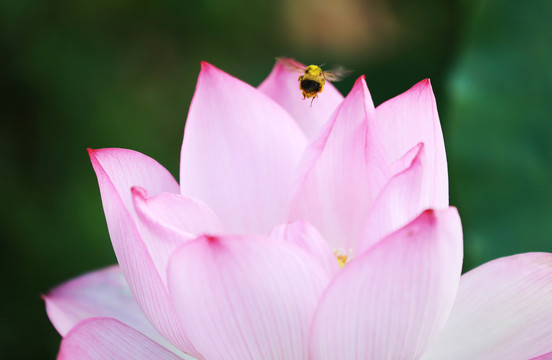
x=139, y=193
x=428, y=217
x=205, y=65
x=428, y=213
x=424, y=86
x=91, y=153
x=209, y=69
x=419, y=150
x=361, y=80
x=211, y=239
x=360, y=87
x=95, y=154
x=439, y=216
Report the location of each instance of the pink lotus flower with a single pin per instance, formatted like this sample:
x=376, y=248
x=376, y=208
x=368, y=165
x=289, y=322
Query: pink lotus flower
x=300, y=185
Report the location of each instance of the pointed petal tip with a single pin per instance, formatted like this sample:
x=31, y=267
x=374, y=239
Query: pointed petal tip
x=428, y=217
x=210, y=69
x=210, y=239
x=434, y=213
x=96, y=153
x=418, y=149
x=360, y=80
x=139, y=192
x=205, y=65
x=433, y=217
x=101, y=150
x=429, y=213
x=423, y=86
x=92, y=154
x=360, y=85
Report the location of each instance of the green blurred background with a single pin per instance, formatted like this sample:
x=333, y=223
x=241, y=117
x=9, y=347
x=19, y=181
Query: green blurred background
x=121, y=73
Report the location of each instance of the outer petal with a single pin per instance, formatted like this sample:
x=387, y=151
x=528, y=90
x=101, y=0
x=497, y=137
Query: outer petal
x=105, y=338
x=342, y=172
x=168, y=220
x=128, y=168
x=400, y=201
x=412, y=118
x=239, y=153
x=117, y=171
x=390, y=302
x=306, y=237
x=246, y=298
x=546, y=356
x=503, y=311
x=282, y=86
x=103, y=293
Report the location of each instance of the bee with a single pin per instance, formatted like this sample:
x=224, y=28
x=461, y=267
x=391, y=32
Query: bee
x=313, y=78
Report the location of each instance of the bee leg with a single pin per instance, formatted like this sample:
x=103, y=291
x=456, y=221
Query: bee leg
x=314, y=97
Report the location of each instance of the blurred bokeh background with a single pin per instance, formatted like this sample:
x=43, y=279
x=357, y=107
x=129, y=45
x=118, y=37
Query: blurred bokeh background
x=121, y=73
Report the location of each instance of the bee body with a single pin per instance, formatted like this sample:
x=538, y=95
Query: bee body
x=312, y=82
x=313, y=78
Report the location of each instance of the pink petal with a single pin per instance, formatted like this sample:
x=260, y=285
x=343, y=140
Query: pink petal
x=503, y=311
x=117, y=171
x=282, y=86
x=239, y=153
x=306, y=237
x=546, y=356
x=103, y=293
x=105, y=338
x=399, y=202
x=391, y=301
x=167, y=220
x=342, y=172
x=128, y=168
x=409, y=119
x=246, y=297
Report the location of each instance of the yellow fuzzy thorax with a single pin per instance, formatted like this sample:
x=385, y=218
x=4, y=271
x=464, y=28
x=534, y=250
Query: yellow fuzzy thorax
x=314, y=70
x=314, y=73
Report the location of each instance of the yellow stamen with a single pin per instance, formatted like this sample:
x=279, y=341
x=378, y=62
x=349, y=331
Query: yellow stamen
x=343, y=257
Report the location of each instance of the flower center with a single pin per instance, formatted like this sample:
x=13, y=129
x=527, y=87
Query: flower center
x=343, y=256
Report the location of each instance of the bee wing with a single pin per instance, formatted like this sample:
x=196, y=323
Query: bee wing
x=291, y=64
x=336, y=73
